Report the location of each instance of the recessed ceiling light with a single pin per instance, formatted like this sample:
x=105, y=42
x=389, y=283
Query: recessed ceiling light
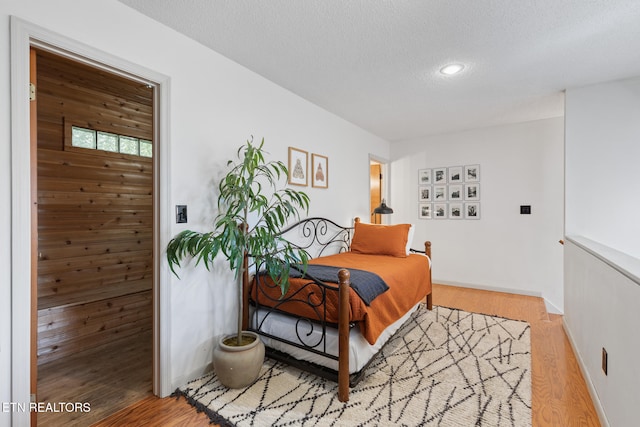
x=452, y=69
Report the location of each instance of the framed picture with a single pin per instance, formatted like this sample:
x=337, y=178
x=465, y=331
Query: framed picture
x=455, y=192
x=424, y=176
x=455, y=174
x=440, y=176
x=456, y=211
x=424, y=210
x=472, y=173
x=320, y=171
x=298, y=167
x=472, y=191
x=472, y=210
x=440, y=210
x=439, y=193
x=424, y=193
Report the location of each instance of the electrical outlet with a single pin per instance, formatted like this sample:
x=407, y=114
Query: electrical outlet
x=605, y=361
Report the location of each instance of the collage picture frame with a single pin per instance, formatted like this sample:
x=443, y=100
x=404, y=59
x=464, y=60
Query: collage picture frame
x=451, y=192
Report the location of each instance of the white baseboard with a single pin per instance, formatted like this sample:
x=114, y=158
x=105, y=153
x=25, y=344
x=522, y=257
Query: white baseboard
x=551, y=308
x=587, y=379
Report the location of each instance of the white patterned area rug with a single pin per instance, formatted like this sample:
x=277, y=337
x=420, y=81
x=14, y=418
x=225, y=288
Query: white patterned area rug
x=445, y=367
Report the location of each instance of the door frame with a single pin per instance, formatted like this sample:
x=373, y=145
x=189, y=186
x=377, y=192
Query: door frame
x=385, y=171
x=23, y=36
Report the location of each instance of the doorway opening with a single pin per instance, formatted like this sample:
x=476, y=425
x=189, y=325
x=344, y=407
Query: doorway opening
x=378, y=172
x=94, y=232
x=375, y=188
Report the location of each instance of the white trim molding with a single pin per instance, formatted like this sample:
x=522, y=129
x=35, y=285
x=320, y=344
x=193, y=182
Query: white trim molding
x=23, y=36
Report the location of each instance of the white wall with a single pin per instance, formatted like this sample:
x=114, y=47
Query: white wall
x=603, y=150
x=215, y=105
x=601, y=312
x=520, y=164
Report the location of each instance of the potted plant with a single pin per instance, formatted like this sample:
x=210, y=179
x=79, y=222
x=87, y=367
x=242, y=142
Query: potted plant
x=252, y=209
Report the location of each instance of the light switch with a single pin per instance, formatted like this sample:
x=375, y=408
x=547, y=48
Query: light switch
x=181, y=214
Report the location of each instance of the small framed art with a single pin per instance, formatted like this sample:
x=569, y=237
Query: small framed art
x=440, y=210
x=320, y=171
x=456, y=211
x=439, y=193
x=440, y=176
x=424, y=210
x=298, y=167
x=424, y=176
x=455, y=192
x=472, y=191
x=472, y=210
x=455, y=174
x=424, y=193
x=472, y=173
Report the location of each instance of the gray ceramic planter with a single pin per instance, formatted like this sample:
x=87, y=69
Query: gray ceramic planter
x=238, y=367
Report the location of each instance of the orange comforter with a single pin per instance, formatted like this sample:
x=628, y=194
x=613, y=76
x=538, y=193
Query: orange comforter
x=408, y=279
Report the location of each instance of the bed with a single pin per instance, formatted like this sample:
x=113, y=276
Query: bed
x=362, y=283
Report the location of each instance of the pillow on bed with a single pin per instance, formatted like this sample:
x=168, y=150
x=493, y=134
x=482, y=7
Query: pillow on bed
x=374, y=239
x=412, y=230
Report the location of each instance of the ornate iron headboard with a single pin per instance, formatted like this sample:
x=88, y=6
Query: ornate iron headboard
x=319, y=236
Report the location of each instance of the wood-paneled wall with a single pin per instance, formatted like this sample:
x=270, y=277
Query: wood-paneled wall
x=95, y=210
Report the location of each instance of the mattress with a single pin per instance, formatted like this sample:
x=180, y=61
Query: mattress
x=360, y=351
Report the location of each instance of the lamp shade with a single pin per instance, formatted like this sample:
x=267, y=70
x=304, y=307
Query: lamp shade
x=383, y=209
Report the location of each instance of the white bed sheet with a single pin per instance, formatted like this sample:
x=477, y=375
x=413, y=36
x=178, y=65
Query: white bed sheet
x=360, y=351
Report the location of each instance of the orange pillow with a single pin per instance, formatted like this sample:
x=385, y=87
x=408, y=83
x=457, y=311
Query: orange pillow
x=374, y=239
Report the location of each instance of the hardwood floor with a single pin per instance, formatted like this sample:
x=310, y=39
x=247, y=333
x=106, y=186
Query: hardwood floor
x=560, y=396
x=559, y=393
x=109, y=379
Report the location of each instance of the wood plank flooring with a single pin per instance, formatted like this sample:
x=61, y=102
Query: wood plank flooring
x=109, y=379
x=560, y=395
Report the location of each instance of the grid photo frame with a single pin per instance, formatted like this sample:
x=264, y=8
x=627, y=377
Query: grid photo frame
x=451, y=192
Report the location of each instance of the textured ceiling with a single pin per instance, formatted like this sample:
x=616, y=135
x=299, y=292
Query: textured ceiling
x=376, y=62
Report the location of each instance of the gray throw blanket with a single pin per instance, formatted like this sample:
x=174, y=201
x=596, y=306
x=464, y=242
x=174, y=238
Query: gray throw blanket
x=366, y=284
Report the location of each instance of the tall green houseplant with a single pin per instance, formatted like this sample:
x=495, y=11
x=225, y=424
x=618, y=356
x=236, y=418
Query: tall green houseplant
x=252, y=209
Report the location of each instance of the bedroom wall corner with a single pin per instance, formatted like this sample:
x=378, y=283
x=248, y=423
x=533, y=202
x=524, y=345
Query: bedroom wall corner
x=520, y=164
